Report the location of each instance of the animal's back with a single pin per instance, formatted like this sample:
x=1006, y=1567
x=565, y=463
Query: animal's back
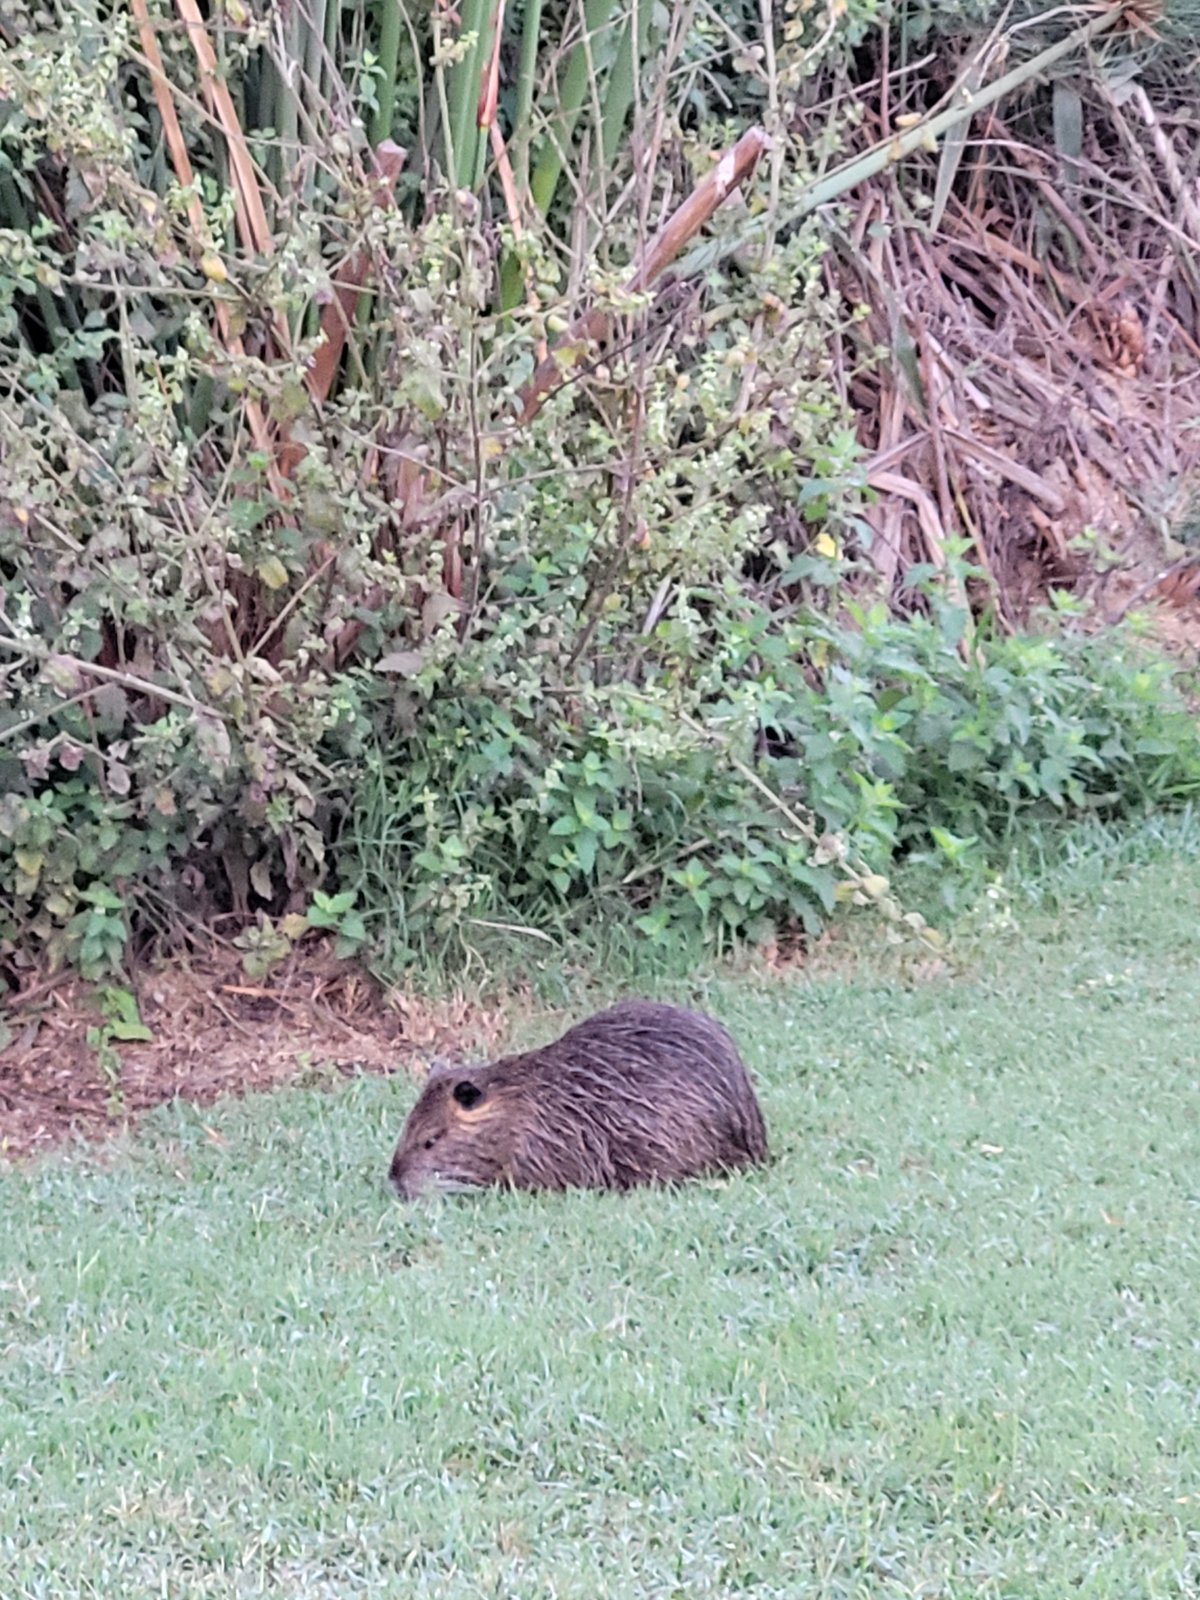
x=659, y=1092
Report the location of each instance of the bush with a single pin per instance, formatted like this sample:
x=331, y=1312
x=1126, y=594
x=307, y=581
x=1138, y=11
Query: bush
x=383, y=661
x=219, y=601
x=686, y=796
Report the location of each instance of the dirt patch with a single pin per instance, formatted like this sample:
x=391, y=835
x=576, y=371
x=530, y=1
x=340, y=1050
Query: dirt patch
x=213, y=1033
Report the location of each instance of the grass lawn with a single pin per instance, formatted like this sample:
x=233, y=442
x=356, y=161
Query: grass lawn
x=947, y=1345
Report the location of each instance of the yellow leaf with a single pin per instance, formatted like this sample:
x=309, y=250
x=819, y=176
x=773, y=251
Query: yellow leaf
x=213, y=267
x=30, y=862
x=272, y=572
x=826, y=545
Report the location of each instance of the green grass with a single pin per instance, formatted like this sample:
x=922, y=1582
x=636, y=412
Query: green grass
x=946, y=1345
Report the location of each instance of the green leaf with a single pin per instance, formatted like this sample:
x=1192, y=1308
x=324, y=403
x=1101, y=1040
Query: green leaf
x=585, y=851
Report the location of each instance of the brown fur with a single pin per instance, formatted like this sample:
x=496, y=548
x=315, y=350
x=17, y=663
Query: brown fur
x=642, y=1093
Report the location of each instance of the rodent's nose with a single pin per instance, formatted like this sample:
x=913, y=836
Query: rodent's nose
x=402, y=1180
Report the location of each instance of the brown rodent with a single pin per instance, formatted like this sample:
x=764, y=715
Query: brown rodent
x=641, y=1093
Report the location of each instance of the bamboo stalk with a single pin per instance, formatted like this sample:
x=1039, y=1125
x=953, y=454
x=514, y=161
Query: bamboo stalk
x=548, y=168
x=733, y=169
x=252, y=216
x=389, y=55
x=260, y=431
x=478, y=17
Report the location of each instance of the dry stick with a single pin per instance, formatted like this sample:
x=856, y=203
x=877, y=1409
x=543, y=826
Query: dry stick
x=252, y=217
x=896, y=483
x=512, y=203
x=173, y=133
x=339, y=313
x=248, y=206
x=489, y=86
x=130, y=680
x=273, y=627
x=951, y=497
x=14, y=728
x=1024, y=478
x=489, y=95
x=806, y=829
x=933, y=376
x=733, y=169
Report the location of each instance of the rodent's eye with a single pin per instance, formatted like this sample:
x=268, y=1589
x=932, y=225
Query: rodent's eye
x=429, y=1143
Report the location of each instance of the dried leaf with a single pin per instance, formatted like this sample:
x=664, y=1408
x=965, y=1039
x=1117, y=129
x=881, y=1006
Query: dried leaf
x=212, y=739
x=436, y=609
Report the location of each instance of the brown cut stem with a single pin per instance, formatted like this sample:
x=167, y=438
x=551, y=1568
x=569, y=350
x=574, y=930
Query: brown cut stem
x=592, y=327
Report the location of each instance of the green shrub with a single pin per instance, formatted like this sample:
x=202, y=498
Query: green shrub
x=446, y=669
x=684, y=796
x=200, y=657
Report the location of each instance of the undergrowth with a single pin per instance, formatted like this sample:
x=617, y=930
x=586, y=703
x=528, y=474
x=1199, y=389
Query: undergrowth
x=320, y=610
x=910, y=744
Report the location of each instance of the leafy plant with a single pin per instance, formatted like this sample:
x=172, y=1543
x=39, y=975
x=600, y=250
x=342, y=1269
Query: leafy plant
x=336, y=913
x=121, y=1024
x=722, y=796
x=311, y=541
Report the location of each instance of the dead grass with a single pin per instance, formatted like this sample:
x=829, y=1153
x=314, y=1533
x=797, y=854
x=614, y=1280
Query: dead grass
x=1040, y=376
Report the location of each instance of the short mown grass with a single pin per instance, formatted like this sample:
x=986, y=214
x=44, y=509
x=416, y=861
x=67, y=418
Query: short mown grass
x=947, y=1344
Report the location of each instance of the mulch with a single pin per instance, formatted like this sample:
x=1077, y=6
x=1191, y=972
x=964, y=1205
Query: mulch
x=214, y=1033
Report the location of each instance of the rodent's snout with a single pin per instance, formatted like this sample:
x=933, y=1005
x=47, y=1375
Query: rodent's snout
x=396, y=1175
x=409, y=1185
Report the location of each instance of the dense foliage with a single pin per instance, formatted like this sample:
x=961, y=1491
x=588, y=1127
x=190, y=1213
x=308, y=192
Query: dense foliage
x=372, y=655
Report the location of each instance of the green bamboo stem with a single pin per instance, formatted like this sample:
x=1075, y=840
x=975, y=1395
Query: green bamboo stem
x=622, y=81
x=522, y=128
x=478, y=18
x=390, y=23
x=549, y=166
x=288, y=125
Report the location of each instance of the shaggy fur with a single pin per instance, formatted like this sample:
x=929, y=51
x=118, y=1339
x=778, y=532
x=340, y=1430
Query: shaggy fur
x=642, y=1093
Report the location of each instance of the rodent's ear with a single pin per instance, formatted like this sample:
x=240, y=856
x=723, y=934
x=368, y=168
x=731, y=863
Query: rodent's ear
x=466, y=1094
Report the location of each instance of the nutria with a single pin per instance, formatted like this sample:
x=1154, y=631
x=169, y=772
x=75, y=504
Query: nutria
x=641, y=1093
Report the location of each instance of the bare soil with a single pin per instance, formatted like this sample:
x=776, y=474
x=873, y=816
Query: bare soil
x=214, y=1032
